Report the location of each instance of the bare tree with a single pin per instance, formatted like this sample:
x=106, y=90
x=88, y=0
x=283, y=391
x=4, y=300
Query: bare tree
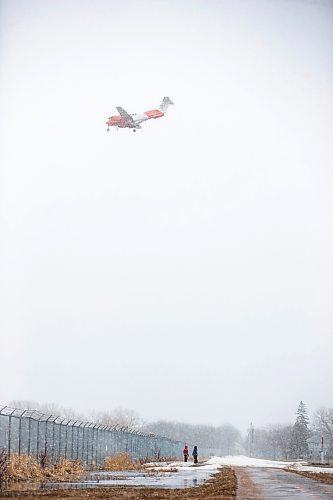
x=47, y=408
x=322, y=423
x=122, y=417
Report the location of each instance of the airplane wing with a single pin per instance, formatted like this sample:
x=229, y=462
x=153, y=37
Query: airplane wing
x=124, y=114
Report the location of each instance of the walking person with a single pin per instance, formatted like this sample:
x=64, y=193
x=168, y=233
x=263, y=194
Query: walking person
x=195, y=454
x=185, y=453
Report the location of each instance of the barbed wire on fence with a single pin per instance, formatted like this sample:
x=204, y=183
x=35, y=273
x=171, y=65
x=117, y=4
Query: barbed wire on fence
x=35, y=433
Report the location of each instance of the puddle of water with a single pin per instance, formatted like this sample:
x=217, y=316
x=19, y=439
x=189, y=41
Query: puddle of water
x=184, y=478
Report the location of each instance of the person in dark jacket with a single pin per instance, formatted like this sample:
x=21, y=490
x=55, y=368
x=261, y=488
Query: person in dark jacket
x=185, y=453
x=195, y=454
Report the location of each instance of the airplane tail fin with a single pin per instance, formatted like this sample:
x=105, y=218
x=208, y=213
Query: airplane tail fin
x=165, y=104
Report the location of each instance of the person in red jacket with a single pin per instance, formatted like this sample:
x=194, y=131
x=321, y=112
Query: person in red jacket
x=185, y=453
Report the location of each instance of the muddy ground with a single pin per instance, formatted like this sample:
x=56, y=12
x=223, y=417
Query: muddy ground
x=222, y=486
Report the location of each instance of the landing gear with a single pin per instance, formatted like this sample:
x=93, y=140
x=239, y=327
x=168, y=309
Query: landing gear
x=108, y=130
x=134, y=130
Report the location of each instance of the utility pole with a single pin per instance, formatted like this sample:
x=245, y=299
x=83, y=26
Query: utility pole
x=251, y=440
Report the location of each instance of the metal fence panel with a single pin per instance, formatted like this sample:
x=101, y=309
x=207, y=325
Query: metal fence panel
x=34, y=433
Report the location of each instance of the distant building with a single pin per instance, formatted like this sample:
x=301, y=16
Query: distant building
x=316, y=445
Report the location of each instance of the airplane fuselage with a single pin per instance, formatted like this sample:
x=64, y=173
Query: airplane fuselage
x=123, y=122
x=119, y=121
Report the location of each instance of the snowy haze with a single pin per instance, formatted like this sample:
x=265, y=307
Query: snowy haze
x=184, y=271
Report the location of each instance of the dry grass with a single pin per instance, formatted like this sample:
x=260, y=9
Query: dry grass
x=23, y=467
x=318, y=476
x=121, y=461
x=165, y=469
x=3, y=466
x=65, y=469
x=28, y=468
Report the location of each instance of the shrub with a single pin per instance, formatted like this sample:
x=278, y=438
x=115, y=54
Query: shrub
x=121, y=461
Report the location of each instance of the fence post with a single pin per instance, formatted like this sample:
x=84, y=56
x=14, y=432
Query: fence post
x=53, y=433
x=87, y=451
x=100, y=443
x=100, y=439
x=37, y=438
x=93, y=443
x=66, y=435
x=97, y=443
x=29, y=435
x=77, y=440
x=72, y=444
x=19, y=436
x=46, y=434
x=83, y=436
x=9, y=434
x=60, y=432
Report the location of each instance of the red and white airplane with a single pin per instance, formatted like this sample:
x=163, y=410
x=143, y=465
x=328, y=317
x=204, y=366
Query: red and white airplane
x=125, y=120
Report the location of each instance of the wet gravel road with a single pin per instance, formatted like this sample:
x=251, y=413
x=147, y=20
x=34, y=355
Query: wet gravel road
x=269, y=483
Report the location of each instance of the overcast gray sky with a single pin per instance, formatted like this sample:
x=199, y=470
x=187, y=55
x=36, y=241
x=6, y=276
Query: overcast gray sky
x=184, y=271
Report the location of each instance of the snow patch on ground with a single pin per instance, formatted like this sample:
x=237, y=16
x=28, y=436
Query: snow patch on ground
x=166, y=466
x=243, y=461
x=309, y=468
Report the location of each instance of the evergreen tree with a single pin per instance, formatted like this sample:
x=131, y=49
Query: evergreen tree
x=300, y=433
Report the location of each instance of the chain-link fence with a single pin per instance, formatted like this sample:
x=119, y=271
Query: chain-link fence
x=34, y=433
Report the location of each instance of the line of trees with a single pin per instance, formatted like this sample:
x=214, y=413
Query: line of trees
x=291, y=441
x=279, y=441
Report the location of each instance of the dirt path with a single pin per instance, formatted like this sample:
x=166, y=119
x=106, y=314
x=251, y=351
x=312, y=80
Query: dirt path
x=268, y=483
x=246, y=488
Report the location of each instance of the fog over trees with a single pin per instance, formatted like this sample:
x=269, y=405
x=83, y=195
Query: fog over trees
x=225, y=439
x=47, y=408
x=122, y=417
x=275, y=441
x=290, y=441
